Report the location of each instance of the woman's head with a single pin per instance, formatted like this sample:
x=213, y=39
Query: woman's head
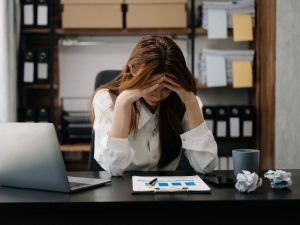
x=152, y=58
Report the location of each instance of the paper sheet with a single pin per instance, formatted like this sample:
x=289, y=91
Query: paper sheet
x=216, y=71
x=242, y=74
x=242, y=27
x=169, y=184
x=217, y=23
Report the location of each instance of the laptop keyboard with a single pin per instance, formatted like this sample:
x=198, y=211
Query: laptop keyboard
x=75, y=185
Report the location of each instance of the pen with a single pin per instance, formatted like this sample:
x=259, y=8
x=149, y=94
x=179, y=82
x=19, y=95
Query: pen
x=153, y=182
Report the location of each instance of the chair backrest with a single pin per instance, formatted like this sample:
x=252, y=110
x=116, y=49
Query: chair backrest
x=102, y=77
x=105, y=76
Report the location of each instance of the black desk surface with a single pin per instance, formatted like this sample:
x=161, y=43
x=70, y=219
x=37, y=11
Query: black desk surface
x=117, y=199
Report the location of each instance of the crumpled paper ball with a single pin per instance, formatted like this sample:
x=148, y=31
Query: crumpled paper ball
x=279, y=178
x=247, y=181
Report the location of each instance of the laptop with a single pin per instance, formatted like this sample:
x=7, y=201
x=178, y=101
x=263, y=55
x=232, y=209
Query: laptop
x=30, y=157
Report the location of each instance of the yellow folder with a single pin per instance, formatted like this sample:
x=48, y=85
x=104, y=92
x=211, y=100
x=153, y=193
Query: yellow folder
x=242, y=74
x=242, y=27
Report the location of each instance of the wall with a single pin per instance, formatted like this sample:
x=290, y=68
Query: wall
x=287, y=121
x=79, y=64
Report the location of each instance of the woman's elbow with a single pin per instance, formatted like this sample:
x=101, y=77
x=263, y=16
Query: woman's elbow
x=114, y=163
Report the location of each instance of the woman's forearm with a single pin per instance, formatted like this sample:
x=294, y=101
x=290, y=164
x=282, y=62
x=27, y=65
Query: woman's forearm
x=194, y=114
x=121, y=119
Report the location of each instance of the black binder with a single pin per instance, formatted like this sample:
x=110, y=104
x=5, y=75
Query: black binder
x=42, y=13
x=28, y=13
x=234, y=122
x=248, y=119
x=42, y=75
x=221, y=122
x=43, y=115
x=28, y=114
x=209, y=115
x=28, y=66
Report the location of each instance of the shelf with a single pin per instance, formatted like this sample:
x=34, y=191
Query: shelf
x=36, y=30
x=201, y=86
x=40, y=86
x=123, y=32
x=201, y=31
x=75, y=147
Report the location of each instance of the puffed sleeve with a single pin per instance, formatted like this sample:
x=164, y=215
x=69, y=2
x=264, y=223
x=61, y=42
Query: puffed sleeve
x=112, y=154
x=200, y=146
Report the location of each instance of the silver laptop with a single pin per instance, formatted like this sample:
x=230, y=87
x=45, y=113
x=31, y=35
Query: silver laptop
x=30, y=157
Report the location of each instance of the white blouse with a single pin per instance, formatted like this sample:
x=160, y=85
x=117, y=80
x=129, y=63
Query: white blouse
x=142, y=151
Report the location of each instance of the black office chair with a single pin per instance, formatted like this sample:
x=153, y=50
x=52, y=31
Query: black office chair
x=102, y=77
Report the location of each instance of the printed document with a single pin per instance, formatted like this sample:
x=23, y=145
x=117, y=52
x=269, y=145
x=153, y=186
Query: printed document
x=143, y=184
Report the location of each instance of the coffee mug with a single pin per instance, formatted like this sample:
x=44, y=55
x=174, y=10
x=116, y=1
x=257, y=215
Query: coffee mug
x=245, y=159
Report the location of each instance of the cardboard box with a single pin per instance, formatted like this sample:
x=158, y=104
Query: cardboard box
x=92, y=14
x=156, y=13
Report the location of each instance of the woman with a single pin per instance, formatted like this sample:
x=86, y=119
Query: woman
x=144, y=117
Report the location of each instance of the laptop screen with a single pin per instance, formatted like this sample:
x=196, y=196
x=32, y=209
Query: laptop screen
x=31, y=157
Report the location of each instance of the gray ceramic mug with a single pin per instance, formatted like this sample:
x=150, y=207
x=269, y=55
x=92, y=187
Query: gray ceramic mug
x=245, y=159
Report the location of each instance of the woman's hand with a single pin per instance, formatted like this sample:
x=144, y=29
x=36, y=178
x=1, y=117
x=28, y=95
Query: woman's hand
x=187, y=97
x=193, y=111
x=121, y=119
x=129, y=96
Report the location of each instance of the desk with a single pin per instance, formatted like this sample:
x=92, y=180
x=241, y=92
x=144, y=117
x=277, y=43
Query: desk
x=115, y=202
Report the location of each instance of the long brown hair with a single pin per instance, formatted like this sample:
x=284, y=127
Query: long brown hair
x=157, y=54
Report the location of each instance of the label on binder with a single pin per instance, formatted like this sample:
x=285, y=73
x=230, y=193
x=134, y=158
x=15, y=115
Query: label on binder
x=28, y=14
x=28, y=72
x=42, y=71
x=221, y=129
x=234, y=127
x=248, y=129
x=42, y=15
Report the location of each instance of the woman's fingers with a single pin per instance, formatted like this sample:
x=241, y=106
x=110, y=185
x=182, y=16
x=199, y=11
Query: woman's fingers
x=171, y=81
x=171, y=87
x=153, y=82
x=149, y=89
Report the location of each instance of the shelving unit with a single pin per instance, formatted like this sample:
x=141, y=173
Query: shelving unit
x=37, y=94
x=262, y=94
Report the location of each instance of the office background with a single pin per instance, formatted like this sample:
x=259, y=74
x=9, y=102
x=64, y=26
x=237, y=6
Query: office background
x=79, y=63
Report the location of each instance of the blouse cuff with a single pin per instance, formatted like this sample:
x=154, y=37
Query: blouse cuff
x=117, y=143
x=196, y=132
x=119, y=155
x=196, y=138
